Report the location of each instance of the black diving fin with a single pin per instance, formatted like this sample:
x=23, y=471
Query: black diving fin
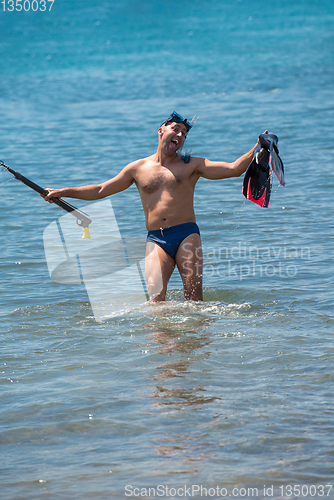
x=258, y=179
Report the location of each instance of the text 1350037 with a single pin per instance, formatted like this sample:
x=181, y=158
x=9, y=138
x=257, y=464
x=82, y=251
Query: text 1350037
x=26, y=5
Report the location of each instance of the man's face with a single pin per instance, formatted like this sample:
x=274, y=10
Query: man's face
x=173, y=136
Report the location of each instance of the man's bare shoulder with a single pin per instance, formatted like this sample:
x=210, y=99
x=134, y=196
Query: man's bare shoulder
x=137, y=164
x=196, y=160
x=196, y=163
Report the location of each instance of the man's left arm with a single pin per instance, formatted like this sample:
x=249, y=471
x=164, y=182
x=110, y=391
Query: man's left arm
x=223, y=170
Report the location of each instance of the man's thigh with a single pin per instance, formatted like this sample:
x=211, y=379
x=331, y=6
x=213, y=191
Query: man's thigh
x=189, y=260
x=159, y=267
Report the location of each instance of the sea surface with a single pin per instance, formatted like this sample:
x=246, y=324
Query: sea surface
x=232, y=397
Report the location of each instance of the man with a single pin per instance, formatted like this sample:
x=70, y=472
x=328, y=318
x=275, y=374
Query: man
x=166, y=183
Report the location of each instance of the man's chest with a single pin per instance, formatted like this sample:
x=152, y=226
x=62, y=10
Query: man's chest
x=150, y=180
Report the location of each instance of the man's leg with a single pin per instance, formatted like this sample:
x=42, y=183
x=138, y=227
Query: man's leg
x=158, y=269
x=189, y=260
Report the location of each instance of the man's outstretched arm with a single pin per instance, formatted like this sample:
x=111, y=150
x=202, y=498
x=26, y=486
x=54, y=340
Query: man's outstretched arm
x=95, y=191
x=223, y=170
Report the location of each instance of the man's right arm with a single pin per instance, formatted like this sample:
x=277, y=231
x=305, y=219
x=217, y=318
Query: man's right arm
x=95, y=191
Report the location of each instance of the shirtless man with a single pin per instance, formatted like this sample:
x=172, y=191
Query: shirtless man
x=166, y=184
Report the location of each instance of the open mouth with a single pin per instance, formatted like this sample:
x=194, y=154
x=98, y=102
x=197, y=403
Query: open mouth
x=174, y=143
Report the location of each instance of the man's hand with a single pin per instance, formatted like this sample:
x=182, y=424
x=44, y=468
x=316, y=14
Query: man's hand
x=52, y=193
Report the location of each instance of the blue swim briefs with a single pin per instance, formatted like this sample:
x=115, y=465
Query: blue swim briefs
x=171, y=238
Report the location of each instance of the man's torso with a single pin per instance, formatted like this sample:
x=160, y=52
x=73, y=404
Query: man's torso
x=166, y=191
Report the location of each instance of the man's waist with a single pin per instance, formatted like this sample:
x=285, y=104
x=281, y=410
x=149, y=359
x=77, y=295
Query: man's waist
x=169, y=222
x=172, y=229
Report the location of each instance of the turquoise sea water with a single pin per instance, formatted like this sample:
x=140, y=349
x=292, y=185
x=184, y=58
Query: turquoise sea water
x=234, y=395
